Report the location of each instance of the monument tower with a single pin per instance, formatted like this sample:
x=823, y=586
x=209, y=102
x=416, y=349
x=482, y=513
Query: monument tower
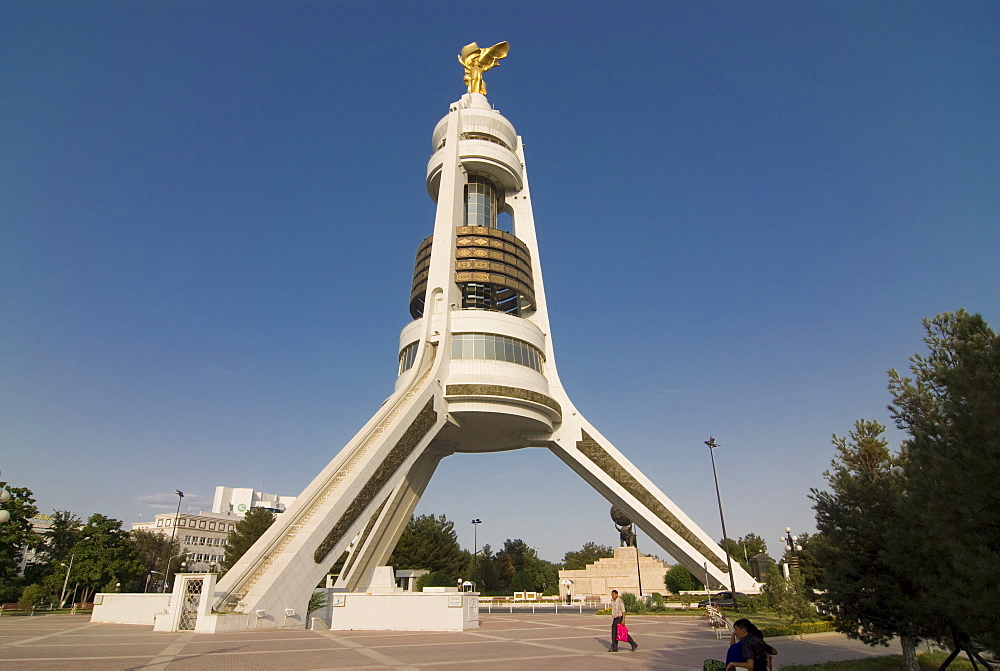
x=477, y=373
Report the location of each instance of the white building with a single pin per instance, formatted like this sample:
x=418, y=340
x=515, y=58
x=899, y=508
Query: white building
x=202, y=537
x=241, y=499
x=40, y=525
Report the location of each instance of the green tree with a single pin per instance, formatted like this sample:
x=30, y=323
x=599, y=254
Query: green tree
x=56, y=543
x=429, y=542
x=950, y=410
x=744, y=549
x=435, y=579
x=588, y=554
x=484, y=572
x=62, y=534
x=103, y=557
x=244, y=534
x=10, y=590
x=34, y=595
x=522, y=582
x=518, y=556
x=808, y=560
x=787, y=597
x=872, y=597
x=16, y=534
x=678, y=579
x=153, y=550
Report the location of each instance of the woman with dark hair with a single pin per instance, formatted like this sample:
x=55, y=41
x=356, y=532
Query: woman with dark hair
x=747, y=650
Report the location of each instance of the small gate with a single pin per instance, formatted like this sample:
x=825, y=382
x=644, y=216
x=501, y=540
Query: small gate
x=191, y=600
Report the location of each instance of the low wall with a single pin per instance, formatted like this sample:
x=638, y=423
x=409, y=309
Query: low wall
x=405, y=611
x=116, y=608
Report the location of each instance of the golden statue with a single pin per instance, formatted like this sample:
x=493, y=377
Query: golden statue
x=476, y=61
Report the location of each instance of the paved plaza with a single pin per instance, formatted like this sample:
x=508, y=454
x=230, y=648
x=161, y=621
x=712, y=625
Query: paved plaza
x=504, y=641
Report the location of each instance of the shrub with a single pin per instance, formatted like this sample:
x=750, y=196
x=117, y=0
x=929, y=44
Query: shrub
x=793, y=629
x=679, y=579
x=33, y=595
x=633, y=604
x=317, y=600
x=435, y=579
x=656, y=602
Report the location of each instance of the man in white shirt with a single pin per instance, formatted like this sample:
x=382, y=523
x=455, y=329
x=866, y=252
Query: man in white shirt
x=617, y=618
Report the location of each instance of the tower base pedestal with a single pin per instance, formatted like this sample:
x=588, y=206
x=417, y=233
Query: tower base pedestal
x=402, y=611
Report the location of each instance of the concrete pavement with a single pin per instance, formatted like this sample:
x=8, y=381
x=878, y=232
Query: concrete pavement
x=503, y=641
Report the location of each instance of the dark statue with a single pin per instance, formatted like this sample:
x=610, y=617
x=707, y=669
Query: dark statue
x=624, y=526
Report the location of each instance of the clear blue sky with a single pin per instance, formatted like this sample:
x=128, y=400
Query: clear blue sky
x=209, y=213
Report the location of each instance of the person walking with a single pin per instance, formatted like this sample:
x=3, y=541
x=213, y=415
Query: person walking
x=617, y=618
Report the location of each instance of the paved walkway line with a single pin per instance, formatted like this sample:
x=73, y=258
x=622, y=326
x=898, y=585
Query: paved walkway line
x=39, y=638
x=170, y=652
x=368, y=652
x=547, y=646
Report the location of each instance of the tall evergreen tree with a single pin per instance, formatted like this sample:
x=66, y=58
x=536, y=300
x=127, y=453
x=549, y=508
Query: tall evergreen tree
x=429, y=542
x=244, y=534
x=873, y=598
x=951, y=410
x=484, y=572
x=517, y=556
x=808, y=561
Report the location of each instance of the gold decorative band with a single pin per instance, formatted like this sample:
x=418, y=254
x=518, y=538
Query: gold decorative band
x=423, y=423
x=500, y=390
x=486, y=255
x=597, y=454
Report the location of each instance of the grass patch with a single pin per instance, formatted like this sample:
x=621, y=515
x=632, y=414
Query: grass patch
x=930, y=661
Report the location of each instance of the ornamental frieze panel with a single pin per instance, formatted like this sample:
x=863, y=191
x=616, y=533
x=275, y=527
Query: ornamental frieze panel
x=597, y=454
x=400, y=451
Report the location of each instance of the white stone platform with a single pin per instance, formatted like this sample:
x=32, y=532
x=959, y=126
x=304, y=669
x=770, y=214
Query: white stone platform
x=621, y=572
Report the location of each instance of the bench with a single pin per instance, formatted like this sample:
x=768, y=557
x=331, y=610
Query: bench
x=17, y=608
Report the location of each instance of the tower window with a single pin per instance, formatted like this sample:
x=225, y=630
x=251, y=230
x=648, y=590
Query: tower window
x=482, y=202
x=408, y=357
x=479, y=295
x=490, y=346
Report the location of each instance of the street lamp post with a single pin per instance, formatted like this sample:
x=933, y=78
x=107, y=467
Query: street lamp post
x=791, y=546
x=638, y=569
x=62, y=596
x=4, y=498
x=173, y=532
x=475, y=551
x=729, y=560
x=167, y=572
x=146, y=589
x=173, y=529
